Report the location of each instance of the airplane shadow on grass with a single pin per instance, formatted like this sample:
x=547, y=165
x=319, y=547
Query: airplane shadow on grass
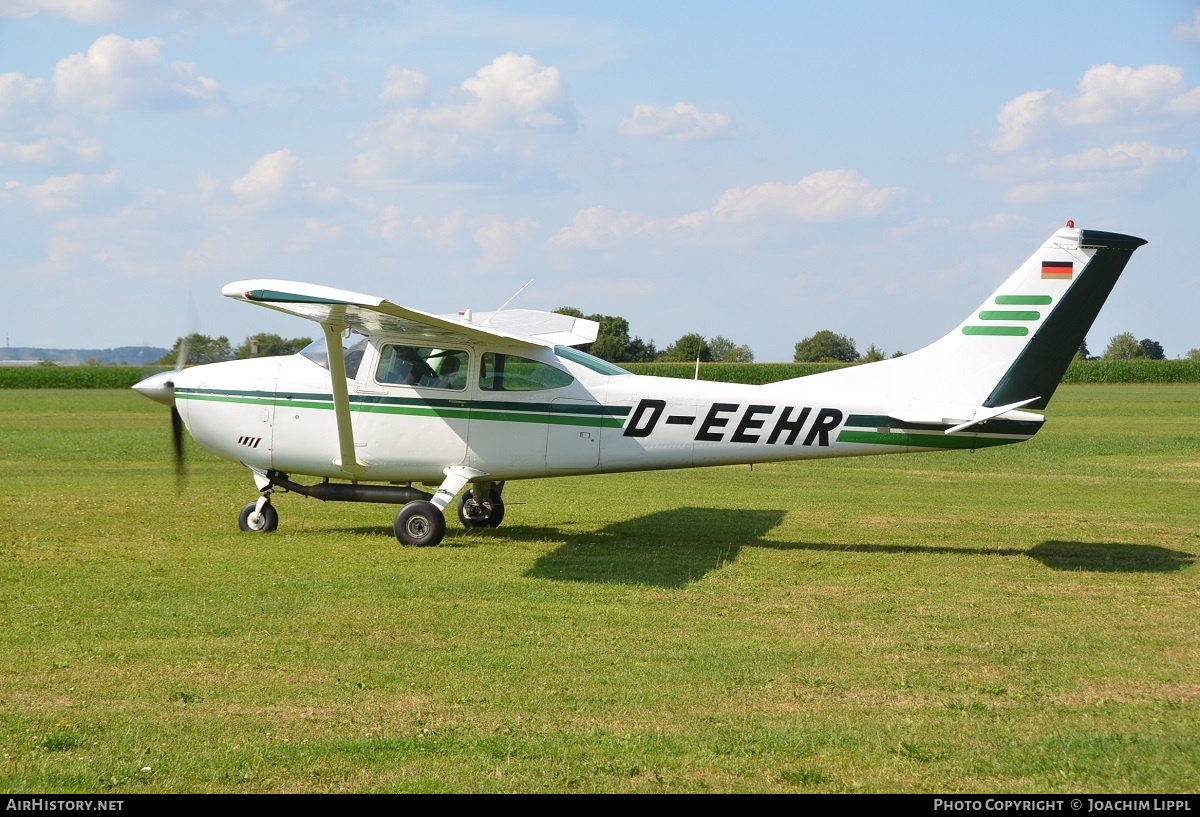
x=1110, y=557
x=675, y=548
x=678, y=547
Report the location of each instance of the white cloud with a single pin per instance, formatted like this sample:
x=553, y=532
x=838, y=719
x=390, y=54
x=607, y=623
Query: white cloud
x=682, y=122
x=514, y=91
x=828, y=195
x=481, y=135
x=999, y=222
x=1118, y=170
x=1018, y=117
x=406, y=86
x=1108, y=91
x=1093, y=143
x=1107, y=95
x=322, y=229
x=500, y=239
x=1140, y=157
x=1185, y=104
x=80, y=11
x=19, y=92
x=40, y=152
x=268, y=178
x=392, y=223
x=48, y=152
x=597, y=227
x=118, y=73
x=442, y=232
x=72, y=192
x=1189, y=29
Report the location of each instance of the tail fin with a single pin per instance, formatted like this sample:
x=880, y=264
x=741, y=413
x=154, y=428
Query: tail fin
x=1015, y=348
x=1039, y=367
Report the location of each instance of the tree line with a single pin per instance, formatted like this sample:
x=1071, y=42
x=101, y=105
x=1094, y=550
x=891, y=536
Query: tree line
x=614, y=343
x=205, y=349
x=1126, y=346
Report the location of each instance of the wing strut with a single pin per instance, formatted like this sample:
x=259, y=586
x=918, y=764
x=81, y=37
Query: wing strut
x=347, y=461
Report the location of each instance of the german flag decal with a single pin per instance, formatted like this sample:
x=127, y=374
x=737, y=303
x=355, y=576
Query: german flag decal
x=1058, y=270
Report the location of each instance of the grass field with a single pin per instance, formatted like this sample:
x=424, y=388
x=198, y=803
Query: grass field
x=1021, y=619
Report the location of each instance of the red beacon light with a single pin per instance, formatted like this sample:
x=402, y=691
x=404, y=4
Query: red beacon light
x=1071, y=223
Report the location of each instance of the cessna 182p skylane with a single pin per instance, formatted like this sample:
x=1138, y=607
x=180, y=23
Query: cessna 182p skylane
x=391, y=396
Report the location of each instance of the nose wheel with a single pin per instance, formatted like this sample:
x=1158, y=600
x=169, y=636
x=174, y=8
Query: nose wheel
x=259, y=516
x=474, y=513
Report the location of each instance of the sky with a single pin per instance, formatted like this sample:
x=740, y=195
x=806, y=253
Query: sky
x=757, y=171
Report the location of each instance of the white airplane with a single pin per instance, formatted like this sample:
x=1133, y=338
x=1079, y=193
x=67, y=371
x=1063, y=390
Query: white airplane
x=390, y=396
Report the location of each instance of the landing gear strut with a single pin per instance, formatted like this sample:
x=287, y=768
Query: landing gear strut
x=421, y=520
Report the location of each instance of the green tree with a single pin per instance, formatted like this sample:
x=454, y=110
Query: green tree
x=1124, y=347
x=613, y=342
x=270, y=345
x=689, y=347
x=639, y=351
x=1083, y=353
x=873, y=354
x=200, y=349
x=1152, y=348
x=726, y=351
x=826, y=346
x=1193, y=354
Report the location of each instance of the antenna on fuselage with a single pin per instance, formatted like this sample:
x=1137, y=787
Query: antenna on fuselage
x=488, y=320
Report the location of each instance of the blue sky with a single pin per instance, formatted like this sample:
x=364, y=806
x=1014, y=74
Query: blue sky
x=758, y=171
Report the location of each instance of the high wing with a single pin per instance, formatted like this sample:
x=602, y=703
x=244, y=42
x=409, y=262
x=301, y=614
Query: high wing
x=372, y=315
x=338, y=309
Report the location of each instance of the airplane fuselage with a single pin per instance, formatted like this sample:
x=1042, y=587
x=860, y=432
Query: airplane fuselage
x=277, y=414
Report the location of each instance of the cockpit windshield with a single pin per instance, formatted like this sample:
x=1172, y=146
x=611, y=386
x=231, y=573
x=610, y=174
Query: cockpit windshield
x=354, y=345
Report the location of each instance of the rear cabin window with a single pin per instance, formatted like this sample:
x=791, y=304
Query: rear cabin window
x=422, y=366
x=512, y=373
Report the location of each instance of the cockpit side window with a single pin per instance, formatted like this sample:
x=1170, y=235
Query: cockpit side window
x=423, y=366
x=511, y=373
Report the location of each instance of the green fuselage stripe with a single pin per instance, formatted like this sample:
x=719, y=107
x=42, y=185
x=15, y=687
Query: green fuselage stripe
x=903, y=438
x=588, y=416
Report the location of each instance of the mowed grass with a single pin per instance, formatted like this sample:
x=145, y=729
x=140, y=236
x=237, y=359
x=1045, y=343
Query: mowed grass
x=1020, y=619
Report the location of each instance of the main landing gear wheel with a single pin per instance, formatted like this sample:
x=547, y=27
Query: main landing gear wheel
x=265, y=521
x=420, y=523
x=476, y=514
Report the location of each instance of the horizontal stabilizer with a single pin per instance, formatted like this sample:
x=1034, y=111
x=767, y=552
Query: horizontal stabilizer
x=956, y=417
x=984, y=414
